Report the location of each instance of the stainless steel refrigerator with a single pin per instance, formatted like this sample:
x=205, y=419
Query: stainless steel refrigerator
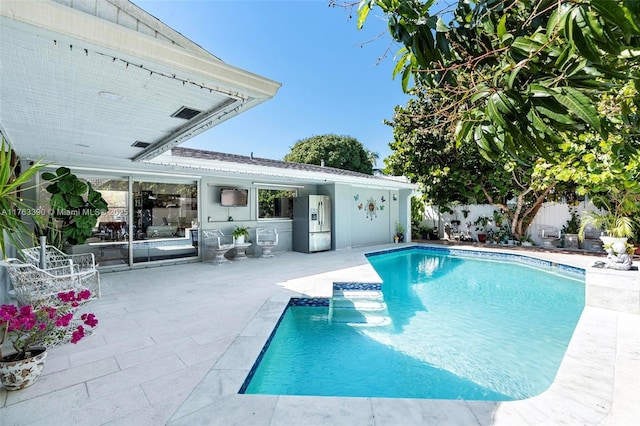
x=312, y=223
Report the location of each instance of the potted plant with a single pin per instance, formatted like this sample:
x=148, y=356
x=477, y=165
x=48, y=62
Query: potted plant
x=618, y=219
x=399, y=236
x=635, y=239
x=498, y=217
x=30, y=329
x=240, y=234
x=75, y=204
x=425, y=232
x=571, y=229
x=12, y=228
x=526, y=240
x=417, y=216
x=481, y=227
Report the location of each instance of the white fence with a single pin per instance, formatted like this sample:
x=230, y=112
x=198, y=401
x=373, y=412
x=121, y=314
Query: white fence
x=550, y=215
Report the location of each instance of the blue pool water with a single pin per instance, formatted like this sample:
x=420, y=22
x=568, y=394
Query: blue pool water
x=455, y=328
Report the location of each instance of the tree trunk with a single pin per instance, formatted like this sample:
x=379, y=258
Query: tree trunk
x=521, y=218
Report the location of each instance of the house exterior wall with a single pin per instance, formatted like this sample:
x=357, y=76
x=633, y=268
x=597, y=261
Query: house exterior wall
x=353, y=224
x=215, y=216
x=341, y=228
x=372, y=213
x=404, y=212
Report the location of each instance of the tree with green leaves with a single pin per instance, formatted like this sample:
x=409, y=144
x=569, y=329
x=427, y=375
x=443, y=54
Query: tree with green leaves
x=597, y=165
x=607, y=170
x=516, y=76
x=373, y=158
x=450, y=172
x=13, y=228
x=340, y=152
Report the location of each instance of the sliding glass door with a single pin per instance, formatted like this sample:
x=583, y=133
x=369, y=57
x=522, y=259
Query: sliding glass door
x=163, y=216
x=110, y=240
x=147, y=220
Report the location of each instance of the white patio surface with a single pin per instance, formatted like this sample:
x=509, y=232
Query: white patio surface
x=175, y=343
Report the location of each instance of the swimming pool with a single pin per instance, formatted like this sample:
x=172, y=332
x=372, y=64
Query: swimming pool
x=452, y=327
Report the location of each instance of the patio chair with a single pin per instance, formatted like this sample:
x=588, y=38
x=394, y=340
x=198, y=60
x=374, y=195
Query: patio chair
x=266, y=239
x=56, y=261
x=36, y=287
x=54, y=258
x=218, y=243
x=39, y=287
x=550, y=235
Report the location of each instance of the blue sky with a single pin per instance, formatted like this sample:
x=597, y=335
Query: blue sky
x=331, y=79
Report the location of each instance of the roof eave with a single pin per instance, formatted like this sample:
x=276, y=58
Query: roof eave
x=208, y=167
x=107, y=38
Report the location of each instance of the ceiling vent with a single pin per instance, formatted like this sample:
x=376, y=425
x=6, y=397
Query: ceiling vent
x=140, y=144
x=186, y=113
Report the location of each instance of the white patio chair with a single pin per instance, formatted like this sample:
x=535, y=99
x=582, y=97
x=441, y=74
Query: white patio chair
x=266, y=239
x=35, y=286
x=38, y=287
x=218, y=243
x=55, y=261
x=550, y=235
x=54, y=258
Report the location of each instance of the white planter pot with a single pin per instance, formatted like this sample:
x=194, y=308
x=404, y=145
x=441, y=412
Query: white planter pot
x=20, y=374
x=610, y=240
x=571, y=241
x=240, y=240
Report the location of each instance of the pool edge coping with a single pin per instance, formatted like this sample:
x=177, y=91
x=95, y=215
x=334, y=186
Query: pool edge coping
x=551, y=405
x=475, y=254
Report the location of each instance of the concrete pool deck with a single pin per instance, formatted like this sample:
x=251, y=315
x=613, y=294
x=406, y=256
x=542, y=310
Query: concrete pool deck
x=175, y=343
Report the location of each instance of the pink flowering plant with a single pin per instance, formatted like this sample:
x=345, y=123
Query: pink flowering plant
x=28, y=326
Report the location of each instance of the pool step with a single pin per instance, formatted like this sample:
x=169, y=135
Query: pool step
x=359, y=304
x=358, y=319
x=358, y=294
x=359, y=308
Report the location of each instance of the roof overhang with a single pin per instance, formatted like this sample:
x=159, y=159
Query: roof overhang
x=81, y=87
x=277, y=175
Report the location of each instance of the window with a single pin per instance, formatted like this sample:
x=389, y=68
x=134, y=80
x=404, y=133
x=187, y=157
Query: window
x=275, y=203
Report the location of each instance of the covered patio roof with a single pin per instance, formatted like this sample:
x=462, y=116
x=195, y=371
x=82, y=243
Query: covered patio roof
x=101, y=85
x=104, y=83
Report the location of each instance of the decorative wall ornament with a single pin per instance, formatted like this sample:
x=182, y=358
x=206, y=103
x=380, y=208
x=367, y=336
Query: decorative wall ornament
x=371, y=208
